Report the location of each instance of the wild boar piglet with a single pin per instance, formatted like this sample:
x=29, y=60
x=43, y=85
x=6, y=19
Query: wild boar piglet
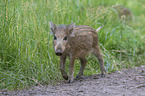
x=76, y=42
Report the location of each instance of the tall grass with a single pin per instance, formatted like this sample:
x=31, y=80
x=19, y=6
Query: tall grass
x=26, y=50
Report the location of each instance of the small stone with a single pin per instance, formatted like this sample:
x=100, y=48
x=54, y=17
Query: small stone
x=80, y=91
x=143, y=71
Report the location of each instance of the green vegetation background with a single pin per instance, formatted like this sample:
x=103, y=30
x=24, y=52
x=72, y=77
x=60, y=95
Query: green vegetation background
x=26, y=50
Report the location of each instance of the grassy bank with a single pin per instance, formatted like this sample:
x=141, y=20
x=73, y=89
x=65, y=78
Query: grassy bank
x=26, y=50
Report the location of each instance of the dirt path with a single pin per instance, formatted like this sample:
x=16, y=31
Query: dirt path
x=130, y=82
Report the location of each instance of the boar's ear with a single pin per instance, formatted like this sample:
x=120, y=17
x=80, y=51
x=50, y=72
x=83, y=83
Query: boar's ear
x=52, y=27
x=71, y=29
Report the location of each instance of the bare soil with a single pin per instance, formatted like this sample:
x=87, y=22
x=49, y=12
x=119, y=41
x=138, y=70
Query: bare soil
x=127, y=82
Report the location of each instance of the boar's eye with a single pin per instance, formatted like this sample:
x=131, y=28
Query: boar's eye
x=65, y=38
x=55, y=37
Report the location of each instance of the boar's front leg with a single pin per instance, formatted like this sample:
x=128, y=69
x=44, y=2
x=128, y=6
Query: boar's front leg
x=71, y=69
x=83, y=64
x=62, y=67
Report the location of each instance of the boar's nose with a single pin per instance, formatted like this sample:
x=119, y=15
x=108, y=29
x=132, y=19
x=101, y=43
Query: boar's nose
x=58, y=52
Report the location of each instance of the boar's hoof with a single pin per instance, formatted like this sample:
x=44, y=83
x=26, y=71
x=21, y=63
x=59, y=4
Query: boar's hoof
x=78, y=77
x=102, y=75
x=65, y=77
x=69, y=81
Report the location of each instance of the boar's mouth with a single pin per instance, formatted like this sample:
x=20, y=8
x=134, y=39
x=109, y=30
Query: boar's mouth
x=58, y=52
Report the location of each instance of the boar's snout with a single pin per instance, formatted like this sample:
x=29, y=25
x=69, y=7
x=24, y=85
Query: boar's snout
x=58, y=52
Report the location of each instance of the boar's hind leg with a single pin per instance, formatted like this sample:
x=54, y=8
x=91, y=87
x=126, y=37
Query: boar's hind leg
x=98, y=54
x=83, y=64
x=62, y=67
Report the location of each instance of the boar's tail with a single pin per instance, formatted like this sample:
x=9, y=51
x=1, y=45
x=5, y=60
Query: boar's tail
x=99, y=28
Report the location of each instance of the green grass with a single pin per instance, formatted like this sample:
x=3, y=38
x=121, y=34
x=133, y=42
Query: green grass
x=26, y=50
